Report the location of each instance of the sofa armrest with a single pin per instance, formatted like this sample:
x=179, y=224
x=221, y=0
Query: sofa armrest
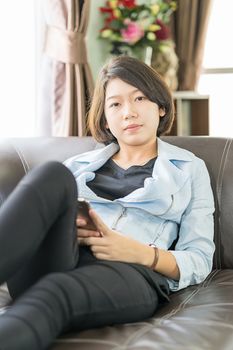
x=19, y=155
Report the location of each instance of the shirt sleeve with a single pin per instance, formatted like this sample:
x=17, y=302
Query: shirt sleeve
x=195, y=247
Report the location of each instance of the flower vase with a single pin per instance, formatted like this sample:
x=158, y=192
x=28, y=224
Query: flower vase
x=165, y=62
x=117, y=49
x=144, y=54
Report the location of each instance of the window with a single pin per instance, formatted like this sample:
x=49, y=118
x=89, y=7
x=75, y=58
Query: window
x=17, y=69
x=217, y=77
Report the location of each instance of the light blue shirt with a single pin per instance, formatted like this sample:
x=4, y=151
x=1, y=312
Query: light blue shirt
x=177, y=201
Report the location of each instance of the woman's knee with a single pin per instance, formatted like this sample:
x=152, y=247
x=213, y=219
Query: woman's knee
x=52, y=175
x=52, y=169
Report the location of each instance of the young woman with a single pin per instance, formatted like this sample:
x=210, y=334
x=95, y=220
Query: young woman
x=152, y=206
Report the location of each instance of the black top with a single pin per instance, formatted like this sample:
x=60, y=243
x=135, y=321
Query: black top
x=112, y=182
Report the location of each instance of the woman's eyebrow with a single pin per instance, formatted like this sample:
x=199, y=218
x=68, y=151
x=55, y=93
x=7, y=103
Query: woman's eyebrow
x=111, y=97
x=115, y=96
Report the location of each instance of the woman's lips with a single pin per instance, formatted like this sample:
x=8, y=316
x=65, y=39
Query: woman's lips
x=133, y=127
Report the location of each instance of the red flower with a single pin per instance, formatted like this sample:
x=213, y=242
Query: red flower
x=164, y=32
x=105, y=10
x=109, y=20
x=109, y=11
x=127, y=3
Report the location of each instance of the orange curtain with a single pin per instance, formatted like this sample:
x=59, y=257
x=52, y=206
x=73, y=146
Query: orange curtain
x=189, y=31
x=67, y=83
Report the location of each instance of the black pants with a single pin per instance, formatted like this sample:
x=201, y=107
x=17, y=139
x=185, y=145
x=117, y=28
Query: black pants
x=56, y=286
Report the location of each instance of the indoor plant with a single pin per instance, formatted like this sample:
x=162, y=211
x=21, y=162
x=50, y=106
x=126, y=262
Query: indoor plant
x=130, y=26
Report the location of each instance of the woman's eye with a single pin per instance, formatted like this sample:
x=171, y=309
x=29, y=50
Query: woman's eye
x=115, y=104
x=140, y=98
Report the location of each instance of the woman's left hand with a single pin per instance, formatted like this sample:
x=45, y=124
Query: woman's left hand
x=112, y=245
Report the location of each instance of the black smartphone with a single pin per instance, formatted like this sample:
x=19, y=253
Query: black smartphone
x=83, y=211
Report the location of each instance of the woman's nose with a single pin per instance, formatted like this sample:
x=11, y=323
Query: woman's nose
x=129, y=112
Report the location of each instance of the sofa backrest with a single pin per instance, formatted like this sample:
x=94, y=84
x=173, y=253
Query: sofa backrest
x=218, y=156
x=19, y=155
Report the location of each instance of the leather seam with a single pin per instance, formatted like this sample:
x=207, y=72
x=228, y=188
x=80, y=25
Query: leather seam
x=1, y=199
x=209, y=278
x=160, y=321
x=77, y=340
x=179, y=307
x=219, y=198
x=182, y=305
x=22, y=159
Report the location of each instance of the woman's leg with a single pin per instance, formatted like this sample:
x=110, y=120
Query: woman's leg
x=97, y=293
x=37, y=227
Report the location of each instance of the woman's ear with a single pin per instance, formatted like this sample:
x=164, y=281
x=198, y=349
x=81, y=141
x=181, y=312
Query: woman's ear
x=106, y=125
x=162, y=112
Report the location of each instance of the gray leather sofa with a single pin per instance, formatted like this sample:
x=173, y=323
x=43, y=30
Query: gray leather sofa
x=198, y=317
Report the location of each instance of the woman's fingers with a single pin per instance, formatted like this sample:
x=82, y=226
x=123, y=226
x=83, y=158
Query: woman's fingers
x=80, y=222
x=102, y=227
x=82, y=233
x=91, y=241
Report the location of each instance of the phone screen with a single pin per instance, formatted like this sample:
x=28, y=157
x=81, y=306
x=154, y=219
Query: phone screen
x=83, y=211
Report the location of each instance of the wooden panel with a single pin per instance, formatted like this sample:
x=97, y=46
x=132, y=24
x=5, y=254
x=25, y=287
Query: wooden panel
x=200, y=120
x=192, y=114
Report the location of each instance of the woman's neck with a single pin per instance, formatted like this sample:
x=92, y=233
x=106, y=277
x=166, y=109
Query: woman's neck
x=135, y=155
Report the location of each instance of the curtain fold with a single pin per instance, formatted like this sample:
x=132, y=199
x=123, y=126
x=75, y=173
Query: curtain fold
x=69, y=84
x=190, y=23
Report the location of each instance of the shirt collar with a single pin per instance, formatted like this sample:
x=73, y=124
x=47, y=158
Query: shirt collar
x=165, y=151
x=171, y=152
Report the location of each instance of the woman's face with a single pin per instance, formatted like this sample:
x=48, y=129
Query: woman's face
x=131, y=117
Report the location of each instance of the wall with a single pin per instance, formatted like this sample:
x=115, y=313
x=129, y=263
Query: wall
x=96, y=48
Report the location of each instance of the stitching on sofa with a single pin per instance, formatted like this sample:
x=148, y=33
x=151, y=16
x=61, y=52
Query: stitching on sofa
x=178, y=307
x=219, y=197
x=206, y=306
x=138, y=334
x=209, y=279
x=134, y=336
x=116, y=346
x=207, y=323
x=88, y=340
x=200, y=286
x=143, y=331
x=22, y=158
x=1, y=199
x=23, y=163
x=182, y=305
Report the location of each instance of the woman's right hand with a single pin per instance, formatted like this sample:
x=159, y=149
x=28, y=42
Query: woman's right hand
x=82, y=232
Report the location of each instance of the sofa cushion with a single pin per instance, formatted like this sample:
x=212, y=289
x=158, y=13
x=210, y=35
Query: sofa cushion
x=197, y=318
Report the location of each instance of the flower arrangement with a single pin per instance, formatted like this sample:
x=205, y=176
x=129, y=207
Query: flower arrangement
x=131, y=25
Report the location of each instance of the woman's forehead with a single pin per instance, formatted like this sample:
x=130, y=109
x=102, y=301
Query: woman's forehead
x=118, y=87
